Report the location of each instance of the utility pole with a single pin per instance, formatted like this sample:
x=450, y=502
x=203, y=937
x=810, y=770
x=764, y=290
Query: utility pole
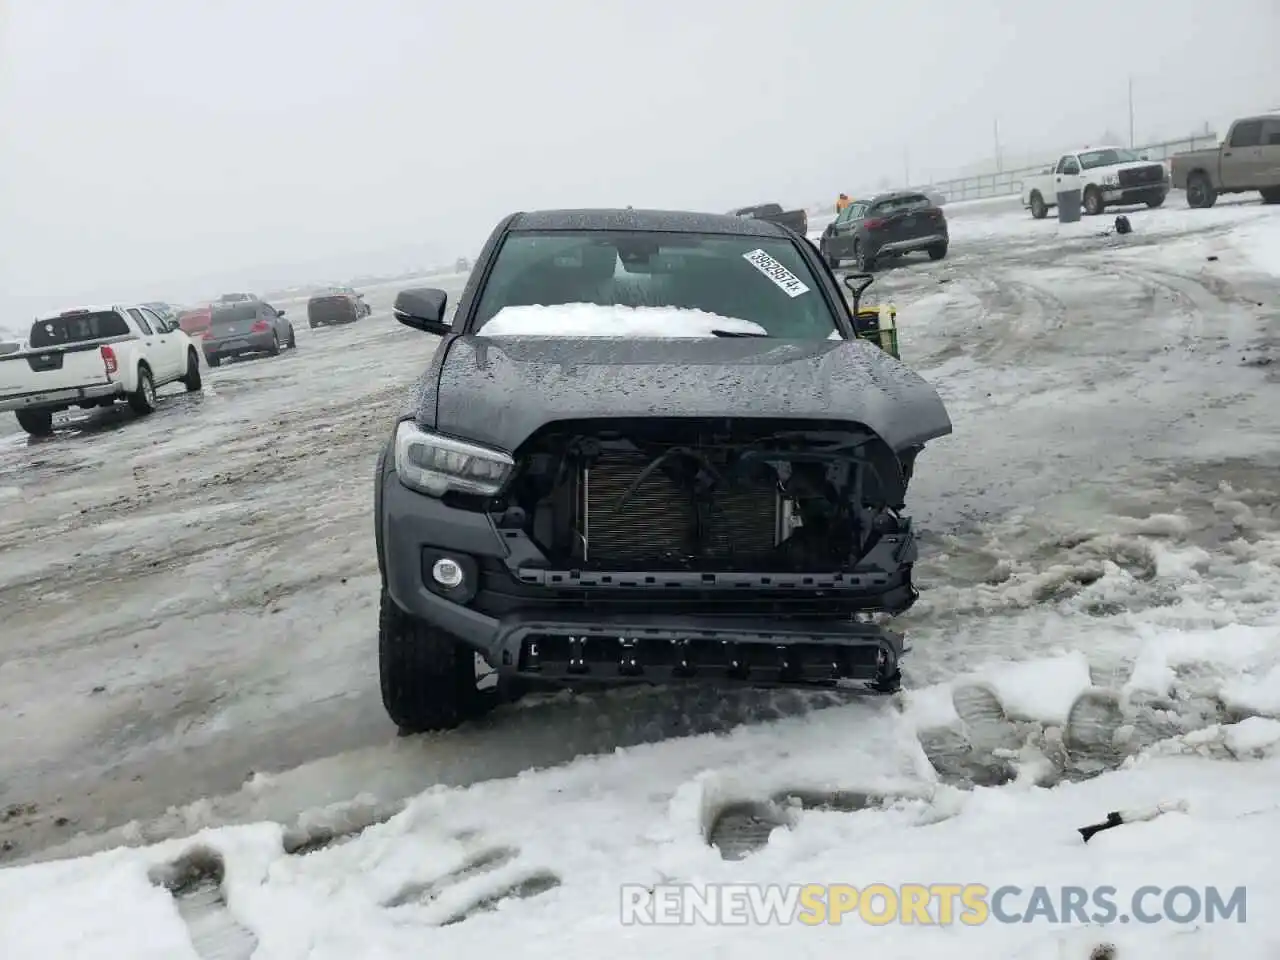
x=1131, y=111
x=996, y=130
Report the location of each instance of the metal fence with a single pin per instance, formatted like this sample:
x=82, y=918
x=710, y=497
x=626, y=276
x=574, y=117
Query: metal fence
x=1008, y=183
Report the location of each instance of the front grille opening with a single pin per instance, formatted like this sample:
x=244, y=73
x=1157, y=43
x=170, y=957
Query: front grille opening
x=704, y=495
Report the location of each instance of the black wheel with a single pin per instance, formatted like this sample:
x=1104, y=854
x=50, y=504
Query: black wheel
x=312, y=324
x=937, y=251
x=1270, y=194
x=38, y=423
x=192, y=380
x=143, y=400
x=832, y=261
x=1039, y=209
x=428, y=678
x=1200, y=192
x=1093, y=204
x=275, y=344
x=293, y=340
x=214, y=360
x=865, y=263
x=888, y=684
x=1155, y=202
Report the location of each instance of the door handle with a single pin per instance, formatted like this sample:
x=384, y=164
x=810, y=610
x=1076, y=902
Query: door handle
x=1227, y=154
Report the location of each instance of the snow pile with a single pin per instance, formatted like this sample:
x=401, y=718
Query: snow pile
x=614, y=322
x=534, y=866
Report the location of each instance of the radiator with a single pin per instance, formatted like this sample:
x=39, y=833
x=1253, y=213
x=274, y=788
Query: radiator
x=656, y=526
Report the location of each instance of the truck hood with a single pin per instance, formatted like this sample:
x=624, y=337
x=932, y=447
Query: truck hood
x=500, y=390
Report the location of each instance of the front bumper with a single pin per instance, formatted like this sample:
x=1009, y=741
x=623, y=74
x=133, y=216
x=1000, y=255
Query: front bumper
x=1126, y=195
x=913, y=244
x=531, y=621
x=237, y=345
x=59, y=399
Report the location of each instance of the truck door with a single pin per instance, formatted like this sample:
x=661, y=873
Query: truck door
x=1242, y=165
x=1066, y=175
x=172, y=351
x=1270, y=152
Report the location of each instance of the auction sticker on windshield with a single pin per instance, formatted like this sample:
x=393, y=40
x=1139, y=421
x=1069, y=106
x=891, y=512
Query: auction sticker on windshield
x=784, y=279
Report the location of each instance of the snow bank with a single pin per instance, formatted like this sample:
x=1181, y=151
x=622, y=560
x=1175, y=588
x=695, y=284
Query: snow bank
x=578, y=834
x=590, y=320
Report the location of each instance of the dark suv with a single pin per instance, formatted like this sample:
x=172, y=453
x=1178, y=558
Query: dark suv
x=650, y=447
x=890, y=225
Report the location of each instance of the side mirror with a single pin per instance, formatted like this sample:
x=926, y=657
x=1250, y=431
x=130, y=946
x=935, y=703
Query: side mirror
x=857, y=284
x=423, y=309
x=280, y=313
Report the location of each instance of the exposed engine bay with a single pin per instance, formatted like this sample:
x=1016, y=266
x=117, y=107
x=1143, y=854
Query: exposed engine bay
x=709, y=495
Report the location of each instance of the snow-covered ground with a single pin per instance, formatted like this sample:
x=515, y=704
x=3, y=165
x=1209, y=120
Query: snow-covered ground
x=197, y=764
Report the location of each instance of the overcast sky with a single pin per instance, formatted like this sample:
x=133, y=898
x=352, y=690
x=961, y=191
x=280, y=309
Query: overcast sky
x=150, y=143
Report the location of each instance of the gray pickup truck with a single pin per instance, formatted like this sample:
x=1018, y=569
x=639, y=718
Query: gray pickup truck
x=797, y=220
x=1247, y=159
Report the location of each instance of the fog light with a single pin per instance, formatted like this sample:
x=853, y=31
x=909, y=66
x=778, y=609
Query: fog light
x=447, y=573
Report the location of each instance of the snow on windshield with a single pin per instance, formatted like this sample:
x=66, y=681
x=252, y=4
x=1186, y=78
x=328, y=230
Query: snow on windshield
x=617, y=322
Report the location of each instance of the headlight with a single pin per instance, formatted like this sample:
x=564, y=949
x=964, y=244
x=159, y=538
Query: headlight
x=1111, y=180
x=432, y=464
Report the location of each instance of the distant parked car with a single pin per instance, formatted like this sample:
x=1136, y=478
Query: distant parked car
x=195, y=322
x=237, y=297
x=338, y=305
x=888, y=225
x=165, y=311
x=797, y=220
x=237, y=329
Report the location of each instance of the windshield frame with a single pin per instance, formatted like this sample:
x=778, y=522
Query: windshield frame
x=823, y=281
x=1120, y=152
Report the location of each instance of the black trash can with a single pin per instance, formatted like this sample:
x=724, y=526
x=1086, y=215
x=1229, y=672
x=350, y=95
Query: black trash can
x=1069, y=206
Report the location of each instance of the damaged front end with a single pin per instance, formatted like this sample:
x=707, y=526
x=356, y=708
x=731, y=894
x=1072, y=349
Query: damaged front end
x=741, y=549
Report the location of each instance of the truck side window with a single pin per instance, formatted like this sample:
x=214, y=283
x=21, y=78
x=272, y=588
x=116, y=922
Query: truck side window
x=1247, y=134
x=141, y=321
x=1271, y=133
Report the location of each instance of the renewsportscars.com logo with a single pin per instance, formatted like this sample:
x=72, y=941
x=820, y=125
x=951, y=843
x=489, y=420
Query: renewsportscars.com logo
x=934, y=904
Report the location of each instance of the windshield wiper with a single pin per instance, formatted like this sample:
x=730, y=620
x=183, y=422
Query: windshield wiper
x=737, y=333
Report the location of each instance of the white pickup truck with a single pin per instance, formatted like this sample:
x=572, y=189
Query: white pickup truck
x=92, y=357
x=1105, y=176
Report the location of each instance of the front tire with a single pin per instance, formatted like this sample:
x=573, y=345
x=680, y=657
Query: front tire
x=1093, y=204
x=293, y=339
x=937, y=251
x=38, y=423
x=428, y=677
x=1270, y=194
x=143, y=400
x=865, y=263
x=1155, y=202
x=192, y=380
x=1039, y=209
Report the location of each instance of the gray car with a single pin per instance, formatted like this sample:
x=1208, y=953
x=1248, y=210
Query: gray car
x=248, y=327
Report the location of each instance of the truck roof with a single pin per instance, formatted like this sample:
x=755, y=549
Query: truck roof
x=86, y=308
x=669, y=221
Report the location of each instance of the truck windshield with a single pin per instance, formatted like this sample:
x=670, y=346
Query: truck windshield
x=762, y=282
x=914, y=201
x=77, y=328
x=1106, y=158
